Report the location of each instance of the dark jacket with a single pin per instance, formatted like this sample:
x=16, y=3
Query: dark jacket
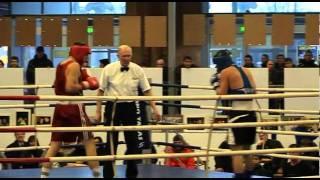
x=307, y=64
x=19, y=154
x=37, y=63
x=275, y=163
x=301, y=169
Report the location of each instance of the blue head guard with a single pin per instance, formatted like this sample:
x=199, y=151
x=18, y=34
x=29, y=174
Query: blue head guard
x=222, y=59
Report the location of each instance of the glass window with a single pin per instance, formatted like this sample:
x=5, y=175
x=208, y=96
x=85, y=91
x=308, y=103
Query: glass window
x=263, y=7
x=56, y=8
x=4, y=54
x=26, y=7
x=98, y=7
x=96, y=55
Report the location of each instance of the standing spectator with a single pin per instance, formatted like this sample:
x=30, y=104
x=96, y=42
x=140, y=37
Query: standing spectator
x=104, y=62
x=13, y=62
x=19, y=142
x=161, y=63
x=1, y=64
x=248, y=61
x=183, y=162
x=123, y=78
x=307, y=61
x=40, y=60
x=288, y=63
x=269, y=65
x=187, y=62
x=264, y=60
x=276, y=78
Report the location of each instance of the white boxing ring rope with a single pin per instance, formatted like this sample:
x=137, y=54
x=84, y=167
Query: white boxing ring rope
x=188, y=86
x=164, y=127
x=171, y=155
x=308, y=158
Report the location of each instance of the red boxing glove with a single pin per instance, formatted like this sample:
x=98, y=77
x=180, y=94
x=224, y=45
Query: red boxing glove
x=91, y=83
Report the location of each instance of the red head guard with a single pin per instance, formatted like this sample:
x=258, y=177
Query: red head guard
x=78, y=52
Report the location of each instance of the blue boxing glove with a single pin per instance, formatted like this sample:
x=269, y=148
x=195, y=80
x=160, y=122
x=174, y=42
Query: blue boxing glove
x=215, y=81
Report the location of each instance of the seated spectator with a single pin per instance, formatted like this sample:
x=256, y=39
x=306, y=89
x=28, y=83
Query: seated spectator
x=223, y=163
x=270, y=163
x=306, y=142
x=33, y=141
x=19, y=142
x=288, y=63
x=1, y=64
x=259, y=168
x=183, y=162
x=296, y=167
x=308, y=61
x=13, y=62
x=248, y=61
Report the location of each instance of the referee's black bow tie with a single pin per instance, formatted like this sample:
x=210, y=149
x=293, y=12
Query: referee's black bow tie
x=124, y=69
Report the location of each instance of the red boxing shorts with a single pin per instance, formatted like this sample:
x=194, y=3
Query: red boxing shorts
x=70, y=115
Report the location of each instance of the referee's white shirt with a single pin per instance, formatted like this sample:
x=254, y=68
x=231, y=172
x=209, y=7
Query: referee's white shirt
x=116, y=83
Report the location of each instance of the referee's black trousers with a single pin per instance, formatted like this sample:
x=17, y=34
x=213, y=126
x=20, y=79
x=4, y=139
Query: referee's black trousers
x=126, y=115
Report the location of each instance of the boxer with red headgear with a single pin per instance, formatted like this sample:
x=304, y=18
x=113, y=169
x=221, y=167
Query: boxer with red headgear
x=71, y=80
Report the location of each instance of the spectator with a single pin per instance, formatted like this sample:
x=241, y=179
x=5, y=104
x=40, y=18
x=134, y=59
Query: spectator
x=33, y=141
x=183, y=162
x=264, y=60
x=13, y=62
x=104, y=62
x=308, y=142
x=19, y=142
x=308, y=61
x=259, y=168
x=276, y=78
x=296, y=167
x=40, y=60
x=270, y=65
x=288, y=63
x=271, y=164
x=187, y=62
x=223, y=163
x=248, y=61
x=160, y=63
x=1, y=64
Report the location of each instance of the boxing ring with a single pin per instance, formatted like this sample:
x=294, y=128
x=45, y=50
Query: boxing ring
x=145, y=171
x=156, y=171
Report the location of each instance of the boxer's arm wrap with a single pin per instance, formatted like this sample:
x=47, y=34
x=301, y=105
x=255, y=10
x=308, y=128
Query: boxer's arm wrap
x=215, y=81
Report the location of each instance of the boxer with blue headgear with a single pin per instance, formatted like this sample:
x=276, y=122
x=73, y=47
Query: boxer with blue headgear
x=222, y=59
